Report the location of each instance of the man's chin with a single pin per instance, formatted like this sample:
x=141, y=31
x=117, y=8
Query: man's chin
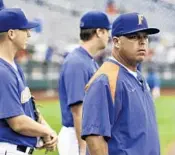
x=140, y=59
x=102, y=48
x=24, y=48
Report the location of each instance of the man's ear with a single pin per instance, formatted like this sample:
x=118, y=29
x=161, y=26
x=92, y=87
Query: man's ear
x=99, y=32
x=11, y=34
x=116, y=42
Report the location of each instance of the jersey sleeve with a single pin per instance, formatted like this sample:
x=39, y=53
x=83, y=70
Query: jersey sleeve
x=10, y=104
x=75, y=79
x=157, y=81
x=96, y=105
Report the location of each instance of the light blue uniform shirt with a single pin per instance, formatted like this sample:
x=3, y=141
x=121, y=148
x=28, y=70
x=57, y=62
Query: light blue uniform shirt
x=77, y=69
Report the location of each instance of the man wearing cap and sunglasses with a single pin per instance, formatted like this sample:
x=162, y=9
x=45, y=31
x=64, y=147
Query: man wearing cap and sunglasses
x=18, y=128
x=78, y=68
x=118, y=110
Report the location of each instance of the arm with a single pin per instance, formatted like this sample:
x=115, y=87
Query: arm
x=75, y=79
x=12, y=111
x=77, y=117
x=24, y=125
x=96, y=119
x=50, y=142
x=97, y=145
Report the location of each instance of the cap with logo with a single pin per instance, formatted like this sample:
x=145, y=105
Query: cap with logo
x=131, y=23
x=95, y=19
x=14, y=18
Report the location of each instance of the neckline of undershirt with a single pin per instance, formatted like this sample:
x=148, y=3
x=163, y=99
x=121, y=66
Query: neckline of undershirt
x=130, y=71
x=14, y=66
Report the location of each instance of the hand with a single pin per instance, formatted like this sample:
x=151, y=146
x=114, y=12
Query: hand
x=51, y=142
x=46, y=139
x=40, y=143
x=156, y=93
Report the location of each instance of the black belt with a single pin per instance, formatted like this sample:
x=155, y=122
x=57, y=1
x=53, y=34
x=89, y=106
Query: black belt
x=24, y=149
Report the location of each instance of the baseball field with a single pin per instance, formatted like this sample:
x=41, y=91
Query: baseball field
x=165, y=110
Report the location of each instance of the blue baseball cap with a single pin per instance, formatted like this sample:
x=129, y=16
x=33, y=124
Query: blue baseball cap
x=130, y=23
x=95, y=19
x=14, y=18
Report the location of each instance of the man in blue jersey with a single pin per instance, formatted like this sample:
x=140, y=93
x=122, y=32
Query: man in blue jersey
x=78, y=68
x=118, y=110
x=152, y=78
x=19, y=129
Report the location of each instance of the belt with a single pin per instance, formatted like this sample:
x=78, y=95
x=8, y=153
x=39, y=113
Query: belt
x=24, y=149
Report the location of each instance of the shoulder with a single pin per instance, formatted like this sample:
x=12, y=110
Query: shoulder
x=99, y=84
x=101, y=79
x=7, y=78
x=74, y=60
x=4, y=73
x=106, y=77
x=107, y=73
x=73, y=55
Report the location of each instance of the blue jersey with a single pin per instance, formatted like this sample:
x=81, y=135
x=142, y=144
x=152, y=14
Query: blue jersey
x=120, y=108
x=15, y=100
x=153, y=80
x=76, y=71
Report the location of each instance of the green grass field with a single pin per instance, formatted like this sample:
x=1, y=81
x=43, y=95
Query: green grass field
x=165, y=107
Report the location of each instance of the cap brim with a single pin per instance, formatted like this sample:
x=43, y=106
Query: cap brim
x=149, y=31
x=30, y=25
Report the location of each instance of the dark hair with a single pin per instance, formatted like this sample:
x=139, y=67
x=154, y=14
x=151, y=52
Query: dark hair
x=2, y=35
x=87, y=34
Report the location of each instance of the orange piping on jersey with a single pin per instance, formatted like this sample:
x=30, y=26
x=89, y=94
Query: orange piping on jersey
x=111, y=71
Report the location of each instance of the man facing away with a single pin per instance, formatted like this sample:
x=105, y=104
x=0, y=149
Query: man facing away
x=78, y=68
x=118, y=110
x=19, y=129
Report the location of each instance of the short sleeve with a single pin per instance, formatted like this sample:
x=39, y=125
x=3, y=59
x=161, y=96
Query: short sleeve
x=75, y=79
x=10, y=105
x=96, y=118
x=157, y=81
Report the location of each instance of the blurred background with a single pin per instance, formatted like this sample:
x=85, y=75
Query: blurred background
x=58, y=35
